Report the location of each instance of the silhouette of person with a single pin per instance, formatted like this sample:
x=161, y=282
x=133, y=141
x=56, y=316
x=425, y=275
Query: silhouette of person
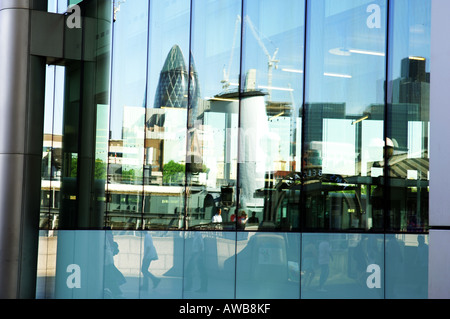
x=197, y=260
x=360, y=257
x=253, y=219
x=113, y=277
x=309, y=256
x=421, y=263
x=394, y=257
x=324, y=262
x=150, y=254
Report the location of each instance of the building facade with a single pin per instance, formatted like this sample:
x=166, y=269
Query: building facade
x=223, y=149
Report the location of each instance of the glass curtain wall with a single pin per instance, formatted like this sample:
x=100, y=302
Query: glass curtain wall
x=267, y=263
x=214, y=117
x=246, y=138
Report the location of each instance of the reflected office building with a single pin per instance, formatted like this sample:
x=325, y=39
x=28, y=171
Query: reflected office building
x=220, y=149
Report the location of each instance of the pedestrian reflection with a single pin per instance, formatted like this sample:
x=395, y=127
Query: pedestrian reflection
x=324, y=262
x=150, y=254
x=113, y=277
x=197, y=262
x=309, y=262
x=361, y=260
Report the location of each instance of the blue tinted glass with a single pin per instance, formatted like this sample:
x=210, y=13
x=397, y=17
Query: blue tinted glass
x=45, y=284
x=161, y=264
x=118, y=264
x=81, y=264
x=339, y=266
x=406, y=266
x=268, y=265
x=209, y=265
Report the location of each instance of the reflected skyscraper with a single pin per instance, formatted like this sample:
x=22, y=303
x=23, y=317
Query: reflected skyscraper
x=178, y=88
x=173, y=85
x=175, y=88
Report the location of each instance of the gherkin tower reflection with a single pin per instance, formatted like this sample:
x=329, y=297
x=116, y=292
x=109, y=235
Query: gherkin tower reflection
x=178, y=88
x=175, y=84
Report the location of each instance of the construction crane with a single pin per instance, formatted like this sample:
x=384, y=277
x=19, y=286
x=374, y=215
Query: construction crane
x=226, y=73
x=117, y=8
x=272, y=61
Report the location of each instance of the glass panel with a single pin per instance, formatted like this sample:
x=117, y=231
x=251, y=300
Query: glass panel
x=344, y=113
x=128, y=100
x=268, y=265
x=270, y=130
x=341, y=266
x=144, y=265
x=45, y=283
x=52, y=147
x=70, y=149
x=407, y=266
x=50, y=180
x=209, y=265
x=112, y=264
x=211, y=161
x=85, y=121
x=161, y=265
x=81, y=264
x=408, y=115
x=60, y=6
x=166, y=114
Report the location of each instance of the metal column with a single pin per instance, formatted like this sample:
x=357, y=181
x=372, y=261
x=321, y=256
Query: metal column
x=22, y=79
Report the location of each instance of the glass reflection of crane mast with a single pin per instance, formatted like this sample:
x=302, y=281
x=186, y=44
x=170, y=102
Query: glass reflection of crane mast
x=272, y=61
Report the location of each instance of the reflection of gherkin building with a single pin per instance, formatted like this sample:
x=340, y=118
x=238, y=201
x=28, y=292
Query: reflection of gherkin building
x=174, y=83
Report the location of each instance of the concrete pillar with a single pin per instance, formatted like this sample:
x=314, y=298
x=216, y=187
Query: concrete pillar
x=22, y=80
x=439, y=248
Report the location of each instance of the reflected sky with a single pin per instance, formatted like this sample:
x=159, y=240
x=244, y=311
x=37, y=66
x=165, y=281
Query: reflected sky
x=334, y=28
